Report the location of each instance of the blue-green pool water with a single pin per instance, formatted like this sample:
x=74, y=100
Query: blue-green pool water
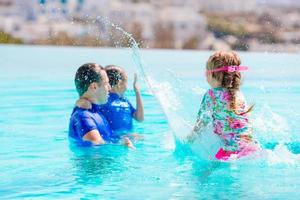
x=37, y=97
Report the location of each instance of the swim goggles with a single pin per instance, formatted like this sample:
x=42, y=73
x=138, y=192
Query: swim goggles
x=228, y=69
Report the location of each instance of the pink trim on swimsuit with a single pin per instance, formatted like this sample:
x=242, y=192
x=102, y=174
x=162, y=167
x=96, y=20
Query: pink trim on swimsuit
x=245, y=151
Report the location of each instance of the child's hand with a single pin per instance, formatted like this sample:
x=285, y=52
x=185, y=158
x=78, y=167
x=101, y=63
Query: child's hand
x=83, y=103
x=197, y=126
x=135, y=85
x=127, y=142
x=135, y=136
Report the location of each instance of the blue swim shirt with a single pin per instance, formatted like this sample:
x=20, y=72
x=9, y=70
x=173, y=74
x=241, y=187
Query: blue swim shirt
x=118, y=112
x=84, y=120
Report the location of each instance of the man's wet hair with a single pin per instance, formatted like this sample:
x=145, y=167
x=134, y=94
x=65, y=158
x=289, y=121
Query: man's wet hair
x=87, y=74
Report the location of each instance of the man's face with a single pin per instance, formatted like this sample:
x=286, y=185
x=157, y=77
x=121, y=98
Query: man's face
x=103, y=88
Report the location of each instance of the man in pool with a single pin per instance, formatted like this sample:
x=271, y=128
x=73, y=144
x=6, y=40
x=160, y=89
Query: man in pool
x=88, y=126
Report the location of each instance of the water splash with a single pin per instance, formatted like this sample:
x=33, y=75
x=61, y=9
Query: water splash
x=181, y=118
x=136, y=55
x=273, y=132
x=281, y=155
x=162, y=91
x=271, y=127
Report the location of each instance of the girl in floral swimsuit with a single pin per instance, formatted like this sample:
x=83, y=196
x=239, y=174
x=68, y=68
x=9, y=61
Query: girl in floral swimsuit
x=225, y=107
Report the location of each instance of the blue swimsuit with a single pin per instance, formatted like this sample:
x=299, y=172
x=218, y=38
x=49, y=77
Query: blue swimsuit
x=118, y=112
x=85, y=120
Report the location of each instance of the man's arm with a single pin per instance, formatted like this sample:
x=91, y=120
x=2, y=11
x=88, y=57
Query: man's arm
x=94, y=137
x=139, y=113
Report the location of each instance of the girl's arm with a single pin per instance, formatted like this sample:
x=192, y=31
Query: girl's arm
x=196, y=130
x=139, y=113
x=203, y=117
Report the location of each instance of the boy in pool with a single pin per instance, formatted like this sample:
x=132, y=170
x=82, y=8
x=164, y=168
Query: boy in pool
x=118, y=110
x=224, y=105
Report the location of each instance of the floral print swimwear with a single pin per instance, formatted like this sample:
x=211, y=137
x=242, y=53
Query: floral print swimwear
x=235, y=130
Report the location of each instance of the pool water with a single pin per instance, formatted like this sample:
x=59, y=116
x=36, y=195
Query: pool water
x=38, y=94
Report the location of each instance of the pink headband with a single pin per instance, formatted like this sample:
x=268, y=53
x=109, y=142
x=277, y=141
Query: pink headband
x=228, y=69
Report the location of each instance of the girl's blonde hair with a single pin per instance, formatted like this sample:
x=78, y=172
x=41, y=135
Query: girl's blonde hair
x=229, y=80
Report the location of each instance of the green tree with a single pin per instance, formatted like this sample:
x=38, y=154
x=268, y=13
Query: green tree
x=6, y=38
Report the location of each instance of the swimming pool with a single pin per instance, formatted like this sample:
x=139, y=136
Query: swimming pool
x=37, y=96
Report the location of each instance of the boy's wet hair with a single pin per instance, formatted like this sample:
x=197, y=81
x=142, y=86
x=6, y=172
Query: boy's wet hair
x=115, y=74
x=87, y=74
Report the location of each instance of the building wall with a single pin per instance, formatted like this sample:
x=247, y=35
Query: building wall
x=280, y=3
x=228, y=5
